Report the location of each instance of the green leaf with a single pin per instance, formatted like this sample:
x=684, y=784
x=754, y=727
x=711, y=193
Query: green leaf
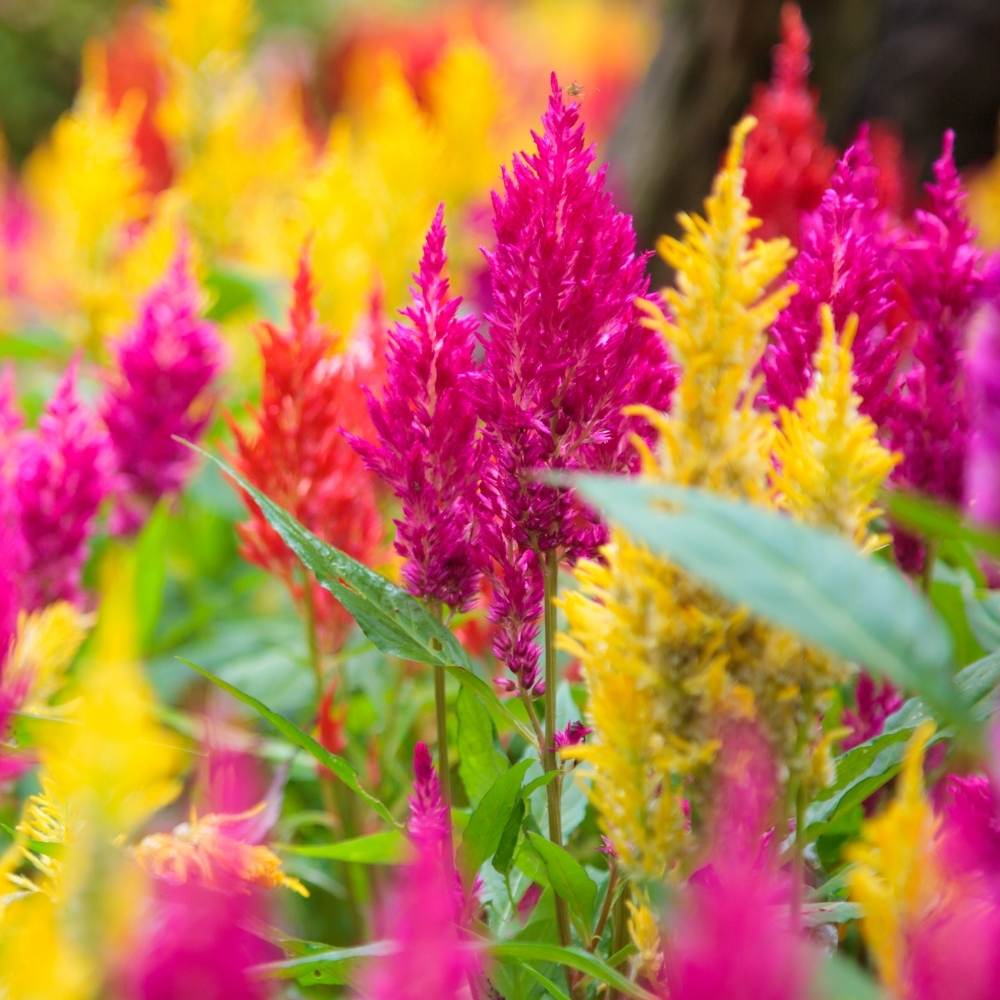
x=503, y=859
x=555, y=992
x=340, y=767
x=480, y=763
x=332, y=967
x=396, y=622
x=235, y=291
x=841, y=979
x=574, y=958
x=939, y=522
x=809, y=581
x=388, y=847
x=566, y=876
x=865, y=768
x=835, y=912
x=489, y=818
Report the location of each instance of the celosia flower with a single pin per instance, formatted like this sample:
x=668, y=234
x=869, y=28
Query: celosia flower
x=845, y=262
x=432, y=954
x=895, y=877
x=982, y=380
x=427, y=448
x=62, y=477
x=666, y=660
x=199, y=941
x=788, y=161
x=875, y=702
x=203, y=851
x=929, y=424
x=165, y=366
x=297, y=455
x=733, y=934
x=571, y=735
x=565, y=350
x=830, y=466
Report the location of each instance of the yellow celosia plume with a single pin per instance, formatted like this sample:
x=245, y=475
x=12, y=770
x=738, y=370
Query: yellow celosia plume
x=202, y=851
x=195, y=32
x=830, y=465
x=895, y=877
x=984, y=203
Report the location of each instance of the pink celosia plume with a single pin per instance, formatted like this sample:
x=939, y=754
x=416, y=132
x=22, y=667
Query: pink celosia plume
x=62, y=476
x=427, y=447
x=159, y=391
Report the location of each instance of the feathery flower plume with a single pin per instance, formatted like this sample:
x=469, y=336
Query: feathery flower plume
x=982, y=379
x=732, y=935
x=895, y=876
x=297, y=455
x=829, y=463
x=165, y=366
x=845, y=262
x=62, y=477
x=930, y=422
x=788, y=161
x=875, y=702
x=426, y=425
x=432, y=954
x=565, y=350
x=564, y=354
x=665, y=659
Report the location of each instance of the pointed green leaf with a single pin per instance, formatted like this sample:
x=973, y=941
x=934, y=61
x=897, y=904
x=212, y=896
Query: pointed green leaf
x=480, y=763
x=803, y=579
x=489, y=818
x=340, y=767
x=566, y=876
x=387, y=847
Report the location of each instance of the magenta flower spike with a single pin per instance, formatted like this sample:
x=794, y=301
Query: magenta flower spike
x=565, y=351
x=982, y=379
x=166, y=364
x=846, y=261
x=62, y=477
x=432, y=953
x=427, y=449
x=940, y=268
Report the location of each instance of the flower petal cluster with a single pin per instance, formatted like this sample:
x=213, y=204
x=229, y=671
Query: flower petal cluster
x=432, y=954
x=62, y=476
x=667, y=661
x=165, y=366
x=830, y=465
x=788, y=161
x=427, y=446
x=941, y=271
x=565, y=351
x=982, y=382
x=846, y=261
x=295, y=452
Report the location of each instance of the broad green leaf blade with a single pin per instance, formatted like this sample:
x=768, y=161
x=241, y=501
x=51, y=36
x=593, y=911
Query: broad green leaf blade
x=864, y=769
x=575, y=958
x=504, y=857
x=340, y=767
x=388, y=847
x=841, y=979
x=555, y=992
x=396, y=622
x=566, y=876
x=939, y=522
x=332, y=967
x=833, y=912
x=488, y=819
x=809, y=581
x=480, y=763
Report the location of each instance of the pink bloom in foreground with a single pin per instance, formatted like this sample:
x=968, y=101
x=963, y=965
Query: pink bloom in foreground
x=165, y=366
x=732, y=935
x=62, y=477
x=429, y=951
x=426, y=426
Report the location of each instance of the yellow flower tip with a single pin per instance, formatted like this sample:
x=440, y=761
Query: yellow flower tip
x=201, y=850
x=645, y=934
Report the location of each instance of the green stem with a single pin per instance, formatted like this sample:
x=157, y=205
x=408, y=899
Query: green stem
x=441, y=717
x=606, y=907
x=619, y=931
x=798, y=854
x=553, y=789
